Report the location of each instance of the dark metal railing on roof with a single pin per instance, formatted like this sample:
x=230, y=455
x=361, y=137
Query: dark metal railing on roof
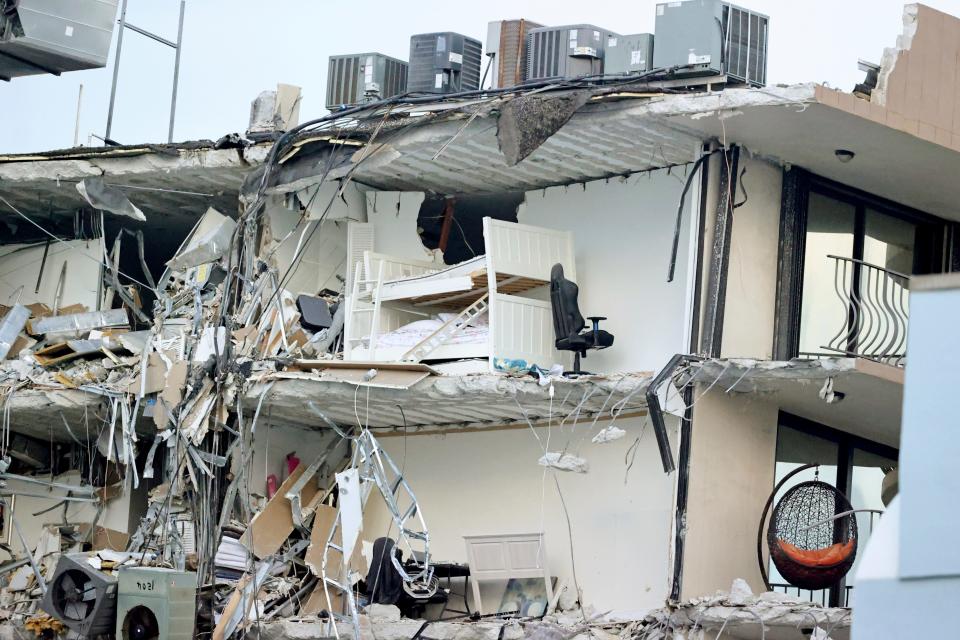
x=876, y=301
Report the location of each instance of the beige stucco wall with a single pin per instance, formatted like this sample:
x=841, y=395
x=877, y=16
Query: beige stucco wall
x=748, y=322
x=489, y=482
x=731, y=475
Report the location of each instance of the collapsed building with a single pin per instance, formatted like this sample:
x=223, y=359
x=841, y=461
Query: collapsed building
x=275, y=373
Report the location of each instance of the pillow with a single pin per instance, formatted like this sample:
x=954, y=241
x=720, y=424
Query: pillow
x=828, y=557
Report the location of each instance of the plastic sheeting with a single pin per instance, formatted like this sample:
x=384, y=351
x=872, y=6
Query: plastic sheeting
x=106, y=198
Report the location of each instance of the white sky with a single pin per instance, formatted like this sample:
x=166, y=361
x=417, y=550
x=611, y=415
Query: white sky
x=233, y=49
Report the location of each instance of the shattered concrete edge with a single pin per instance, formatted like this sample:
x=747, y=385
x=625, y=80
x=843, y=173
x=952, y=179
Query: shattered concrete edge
x=891, y=55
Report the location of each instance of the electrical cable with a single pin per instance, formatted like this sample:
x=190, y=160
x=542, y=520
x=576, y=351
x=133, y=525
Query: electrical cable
x=683, y=195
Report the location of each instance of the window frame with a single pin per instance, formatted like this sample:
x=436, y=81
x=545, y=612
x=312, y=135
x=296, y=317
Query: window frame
x=936, y=249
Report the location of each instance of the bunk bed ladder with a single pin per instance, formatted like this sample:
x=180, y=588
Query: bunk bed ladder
x=449, y=329
x=354, y=335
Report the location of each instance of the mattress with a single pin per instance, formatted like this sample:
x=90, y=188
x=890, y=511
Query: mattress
x=411, y=334
x=464, y=268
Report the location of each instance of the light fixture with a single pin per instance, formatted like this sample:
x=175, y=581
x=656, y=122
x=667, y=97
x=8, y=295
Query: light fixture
x=844, y=155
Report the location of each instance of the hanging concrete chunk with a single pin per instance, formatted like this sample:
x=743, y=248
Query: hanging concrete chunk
x=564, y=462
x=101, y=196
x=526, y=122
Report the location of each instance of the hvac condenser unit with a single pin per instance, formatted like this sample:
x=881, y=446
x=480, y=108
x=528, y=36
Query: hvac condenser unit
x=507, y=44
x=364, y=77
x=571, y=51
x=53, y=36
x=156, y=604
x=629, y=54
x=82, y=598
x=444, y=63
x=712, y=37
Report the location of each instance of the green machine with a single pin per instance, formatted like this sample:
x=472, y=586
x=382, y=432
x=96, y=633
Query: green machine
x=155, y=603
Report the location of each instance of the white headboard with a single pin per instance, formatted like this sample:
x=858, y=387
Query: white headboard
x=527, y=251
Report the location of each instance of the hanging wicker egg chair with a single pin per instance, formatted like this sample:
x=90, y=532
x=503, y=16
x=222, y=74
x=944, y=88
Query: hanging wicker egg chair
x=811, y=548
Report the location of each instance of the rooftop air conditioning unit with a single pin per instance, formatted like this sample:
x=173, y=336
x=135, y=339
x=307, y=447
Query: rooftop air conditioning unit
x=629, y=54
x=571, y=51
x=712, y=38
x=364, y=77
x=53, y=36
x=82, y=598
x=507, y=43
x=156, y=604
x=444, y=63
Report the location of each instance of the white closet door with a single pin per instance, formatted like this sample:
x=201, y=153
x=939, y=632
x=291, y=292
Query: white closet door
x=359, y=239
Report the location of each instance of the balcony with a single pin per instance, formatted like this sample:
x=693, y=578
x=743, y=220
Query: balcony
x=876, y=304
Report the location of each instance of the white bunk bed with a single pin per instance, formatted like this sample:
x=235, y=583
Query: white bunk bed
x=483, y=313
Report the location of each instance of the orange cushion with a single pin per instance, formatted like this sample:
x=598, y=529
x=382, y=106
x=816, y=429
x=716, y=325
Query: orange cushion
x=828, y=557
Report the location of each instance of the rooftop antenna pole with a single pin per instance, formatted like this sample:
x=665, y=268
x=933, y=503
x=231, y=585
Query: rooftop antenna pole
x=116, y=68
x=176, y=71
x=76, y=129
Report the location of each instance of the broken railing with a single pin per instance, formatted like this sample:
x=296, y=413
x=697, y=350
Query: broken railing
x=876, y=301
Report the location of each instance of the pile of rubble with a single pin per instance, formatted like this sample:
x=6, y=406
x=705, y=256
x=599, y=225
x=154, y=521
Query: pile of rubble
x=742, y=614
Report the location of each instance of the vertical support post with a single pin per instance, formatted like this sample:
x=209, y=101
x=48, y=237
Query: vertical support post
x=116, y=68
x=720, y=257
x=176, y=71
x=793, y=222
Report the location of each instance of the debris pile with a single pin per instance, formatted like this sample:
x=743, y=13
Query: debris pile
x=743, y=615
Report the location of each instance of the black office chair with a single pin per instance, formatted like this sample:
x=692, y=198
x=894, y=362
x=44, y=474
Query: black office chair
x=568, y=324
